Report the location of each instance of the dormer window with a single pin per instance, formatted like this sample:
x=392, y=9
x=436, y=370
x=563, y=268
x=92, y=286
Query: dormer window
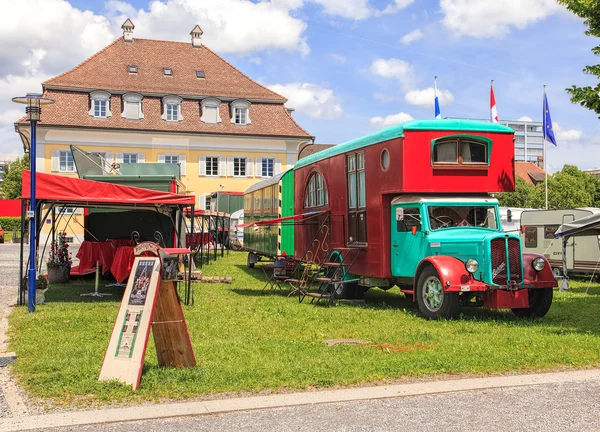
x=200, y=74
x=132, y=106
x=100, y=104
x=210, y=111
x=172, y=108
x=132, y=69
x=460, y=151
x=168, y=71
x=240, y=112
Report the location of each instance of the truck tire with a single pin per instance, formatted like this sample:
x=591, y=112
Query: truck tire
x=540, y=301
x=432, y=301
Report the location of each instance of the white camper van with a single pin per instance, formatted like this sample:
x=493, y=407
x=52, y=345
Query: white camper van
x=537, y=234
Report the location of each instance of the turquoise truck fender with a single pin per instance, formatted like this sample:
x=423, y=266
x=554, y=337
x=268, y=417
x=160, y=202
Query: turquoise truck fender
x=540, y=279
x=452, y=273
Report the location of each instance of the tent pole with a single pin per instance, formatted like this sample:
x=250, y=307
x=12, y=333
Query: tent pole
x=21, y=300
x=564, y=286
x=191, y=260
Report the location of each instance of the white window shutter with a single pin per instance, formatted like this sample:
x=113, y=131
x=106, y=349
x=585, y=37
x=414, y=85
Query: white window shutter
x=120, y=158
x=110, y=157
x=230, y=166
x=201, y=204
x=161, y=158
x=202, y=165
x=141, y=158
x=277, y=168
x=222, y=167
x=182, y=164
x=55, y=160
x=249, y=167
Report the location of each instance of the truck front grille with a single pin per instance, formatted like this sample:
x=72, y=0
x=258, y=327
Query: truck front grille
x=506, y=256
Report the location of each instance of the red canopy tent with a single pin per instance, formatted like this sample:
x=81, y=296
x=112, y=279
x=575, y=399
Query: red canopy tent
x=75, y=192
x=69, y=190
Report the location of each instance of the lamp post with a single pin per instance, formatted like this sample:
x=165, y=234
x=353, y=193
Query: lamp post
x=34, y=101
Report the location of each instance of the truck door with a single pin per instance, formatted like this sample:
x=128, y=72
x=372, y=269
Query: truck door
x=407, y=240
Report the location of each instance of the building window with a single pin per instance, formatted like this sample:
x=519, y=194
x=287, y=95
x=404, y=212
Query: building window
x=132, y=69
x=267, y=167
x=357, y=198
x=200, y=74
x=239, y=167
x=66, y=162
x=460, y=151
x=132, y=107
x=130, y=158
x=174, y=159
x=240, y=111
x=172, y=108
x=100, y=104
x=212, y=166
x=168, y=71
x=316, y=194
x=210, y=111
x=207, y=202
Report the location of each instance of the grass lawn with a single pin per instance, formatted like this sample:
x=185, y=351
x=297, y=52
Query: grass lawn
x=247, y=341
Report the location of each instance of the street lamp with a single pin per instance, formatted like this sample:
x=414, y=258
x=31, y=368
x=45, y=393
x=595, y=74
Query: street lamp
x=34, y=101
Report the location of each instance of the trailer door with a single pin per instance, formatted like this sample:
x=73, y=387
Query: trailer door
x=570, y=243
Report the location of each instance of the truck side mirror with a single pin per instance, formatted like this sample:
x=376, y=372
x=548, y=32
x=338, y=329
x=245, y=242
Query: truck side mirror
x=413, y=230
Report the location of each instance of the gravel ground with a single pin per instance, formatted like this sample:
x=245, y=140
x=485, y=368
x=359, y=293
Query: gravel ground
x=549, y=408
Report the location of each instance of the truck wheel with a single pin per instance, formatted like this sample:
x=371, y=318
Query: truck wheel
x=252, y=259
x=433, y=302
x=540, y=301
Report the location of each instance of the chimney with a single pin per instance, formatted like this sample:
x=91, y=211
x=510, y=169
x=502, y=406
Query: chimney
x=196, y=36
x=128, y=30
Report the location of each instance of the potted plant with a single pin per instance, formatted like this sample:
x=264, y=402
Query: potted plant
x=41, y=286
x=59, y=260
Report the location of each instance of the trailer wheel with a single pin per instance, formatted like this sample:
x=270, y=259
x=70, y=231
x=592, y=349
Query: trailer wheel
x=252, y=259
x=557, y=273
x=540, y=301
x=433, y=302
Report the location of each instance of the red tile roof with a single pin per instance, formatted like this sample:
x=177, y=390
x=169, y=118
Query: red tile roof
x=529, y=172
x=107, y=70
x=71, y=110
x=309, y=149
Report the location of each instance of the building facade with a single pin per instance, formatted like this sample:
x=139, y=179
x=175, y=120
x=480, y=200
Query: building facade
x=141, y=100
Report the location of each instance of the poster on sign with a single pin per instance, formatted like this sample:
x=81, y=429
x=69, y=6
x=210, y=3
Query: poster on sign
x=124, y=357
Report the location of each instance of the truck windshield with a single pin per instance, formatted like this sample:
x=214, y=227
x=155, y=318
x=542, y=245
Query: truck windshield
x=460, y=216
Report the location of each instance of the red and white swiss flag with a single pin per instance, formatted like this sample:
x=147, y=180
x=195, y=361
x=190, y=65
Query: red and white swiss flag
x=493, y=110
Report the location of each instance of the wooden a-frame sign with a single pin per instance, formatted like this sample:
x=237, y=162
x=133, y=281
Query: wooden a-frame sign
x=148, y=300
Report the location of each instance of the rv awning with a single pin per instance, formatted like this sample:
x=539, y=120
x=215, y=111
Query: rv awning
x=586, y=226
x=276, y=221
x=79, y=192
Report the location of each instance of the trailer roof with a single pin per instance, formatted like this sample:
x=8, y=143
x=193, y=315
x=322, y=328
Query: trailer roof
x=398, y=132
x=267, y=182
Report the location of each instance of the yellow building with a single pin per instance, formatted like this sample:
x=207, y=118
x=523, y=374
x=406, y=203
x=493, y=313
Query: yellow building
x=140, y=100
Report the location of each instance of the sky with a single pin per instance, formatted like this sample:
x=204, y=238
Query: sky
x=348, y=67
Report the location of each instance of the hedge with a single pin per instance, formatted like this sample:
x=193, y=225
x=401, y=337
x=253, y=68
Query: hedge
x=10, y=223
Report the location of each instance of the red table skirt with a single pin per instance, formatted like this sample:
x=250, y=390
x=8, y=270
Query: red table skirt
x=91, y=252
x=122, y=263
x=199, y=238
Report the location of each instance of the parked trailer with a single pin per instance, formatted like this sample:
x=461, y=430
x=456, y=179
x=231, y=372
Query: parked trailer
x=226, y=202
x=537, y=234
x=409, y=206
x=268, y=199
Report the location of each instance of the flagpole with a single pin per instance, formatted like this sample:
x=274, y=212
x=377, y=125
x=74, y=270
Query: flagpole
x=545, y=162
x=492, y=115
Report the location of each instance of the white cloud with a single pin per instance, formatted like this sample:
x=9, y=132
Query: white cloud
x=230, y=26
x=398, y=5
x=525, y=119
x=493, y=18
x=394, y=69
x=425, y=97
x=390, y=120
x=414, y=35
x=565, y=134
x=351, y=9
x=338, y=58
x=384, y=97
x=11, y=155
x=313, y=100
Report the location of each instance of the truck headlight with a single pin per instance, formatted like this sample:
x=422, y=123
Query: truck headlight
x=538, y=264
x=471, y=265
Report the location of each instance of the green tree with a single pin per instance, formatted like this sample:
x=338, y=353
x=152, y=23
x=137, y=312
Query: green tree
x=522, y=197
x=589, y=10
x=11, y=184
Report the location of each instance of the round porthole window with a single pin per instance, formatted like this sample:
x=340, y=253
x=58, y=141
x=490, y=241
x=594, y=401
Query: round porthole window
x=385, y=160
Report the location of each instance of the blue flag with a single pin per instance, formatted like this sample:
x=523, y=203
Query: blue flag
x=438, y=114
x=547, y=123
